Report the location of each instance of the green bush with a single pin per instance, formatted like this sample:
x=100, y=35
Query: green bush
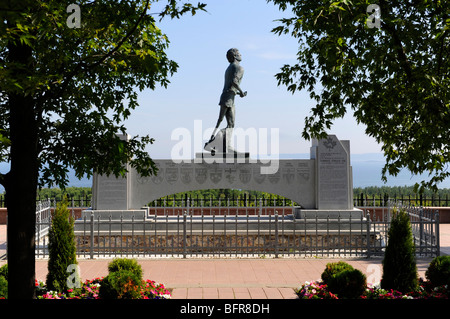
x=119, y=264
x=438, y=272
x=121, y=284
x=4, y=271
x=332, y=269
x=3, y=287
x=62, y=249
x=399, y=263
x=4, y=281
x=350, y=283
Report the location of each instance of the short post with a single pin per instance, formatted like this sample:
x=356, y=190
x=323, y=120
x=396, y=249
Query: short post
x=92, y=236
x=368, y=235
x=438, y=248
x=184, y=234
x=421, y=222
x=276, y=234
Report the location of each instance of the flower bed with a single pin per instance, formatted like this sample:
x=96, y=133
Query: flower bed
x=318, y=290
x=90, y=289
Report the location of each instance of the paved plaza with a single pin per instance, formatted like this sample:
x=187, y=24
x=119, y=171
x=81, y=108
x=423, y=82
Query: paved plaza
x=233, y=278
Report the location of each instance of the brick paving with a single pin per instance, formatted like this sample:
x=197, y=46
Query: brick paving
x=234, y=278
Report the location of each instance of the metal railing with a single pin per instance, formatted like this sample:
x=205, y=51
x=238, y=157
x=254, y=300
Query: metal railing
x=271, y=231
x=425, y=228
x=43, y=218
x=188, y=235
x=74, y=201
x=419, y=200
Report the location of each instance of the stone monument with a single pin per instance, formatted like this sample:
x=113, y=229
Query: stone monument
x=320, y=184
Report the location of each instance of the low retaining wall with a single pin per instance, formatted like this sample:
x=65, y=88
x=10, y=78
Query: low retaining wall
x=226, y=244
x=377, y=213
x=76, y=211
x=207, y=211
x=3, y=214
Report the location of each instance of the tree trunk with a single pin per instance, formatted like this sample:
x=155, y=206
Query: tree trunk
x=21, y=183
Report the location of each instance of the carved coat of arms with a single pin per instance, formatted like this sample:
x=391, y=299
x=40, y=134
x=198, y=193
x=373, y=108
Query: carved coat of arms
x=329, y=143
x=201, y=174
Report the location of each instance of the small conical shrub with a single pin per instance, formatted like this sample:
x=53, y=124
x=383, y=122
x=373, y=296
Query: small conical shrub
x=399, y=263
x=62, y=248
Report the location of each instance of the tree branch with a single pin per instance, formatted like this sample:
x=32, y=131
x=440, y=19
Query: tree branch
x=403, y=59
x=83, y=67
x=2, y=179
x=110, y=53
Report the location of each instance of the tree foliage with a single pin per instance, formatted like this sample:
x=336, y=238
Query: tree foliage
x=85, y=81
x=65, y=92
x=395, y=79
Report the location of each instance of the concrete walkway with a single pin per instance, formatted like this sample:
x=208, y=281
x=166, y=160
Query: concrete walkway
x=234, y=278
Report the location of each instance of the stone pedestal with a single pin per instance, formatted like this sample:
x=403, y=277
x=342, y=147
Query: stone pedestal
x=321, y=183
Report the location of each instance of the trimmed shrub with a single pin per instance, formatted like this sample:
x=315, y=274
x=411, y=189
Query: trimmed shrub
x=121, y=284
x=119, y=264
x=350, y=283
x=4, y=271
x=438, y=272
x=4, y=281
x=62, y=248
x=399, y=263
x=3, y=287
x=332, y=269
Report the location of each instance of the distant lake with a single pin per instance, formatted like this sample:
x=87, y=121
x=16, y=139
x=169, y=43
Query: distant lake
x=366, y=172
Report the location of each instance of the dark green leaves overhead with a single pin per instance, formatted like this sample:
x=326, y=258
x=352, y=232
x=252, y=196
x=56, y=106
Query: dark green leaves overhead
x=85, y=81
x=394, y=78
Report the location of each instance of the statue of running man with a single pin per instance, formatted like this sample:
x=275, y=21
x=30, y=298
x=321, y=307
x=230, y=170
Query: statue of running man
x=233, y=77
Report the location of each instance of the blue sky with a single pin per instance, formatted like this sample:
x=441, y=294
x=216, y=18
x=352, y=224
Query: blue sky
x=198, y=45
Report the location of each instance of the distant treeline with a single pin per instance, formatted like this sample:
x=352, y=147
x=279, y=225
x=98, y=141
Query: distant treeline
x=397, y=191
x=391, y=191
x=81, y=196
x=70, y=192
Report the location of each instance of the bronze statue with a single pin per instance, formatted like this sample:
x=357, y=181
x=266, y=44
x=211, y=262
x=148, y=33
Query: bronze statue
x=233, y=77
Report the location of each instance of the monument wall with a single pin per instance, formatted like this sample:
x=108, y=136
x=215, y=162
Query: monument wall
x=323, y=182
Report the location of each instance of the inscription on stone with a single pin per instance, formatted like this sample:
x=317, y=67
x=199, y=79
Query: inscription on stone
x=187, y=174
x=159, y=177
x=112, y=192
x=333, y=174
x=201, y=175
x=171, y=173
x=257, y=176
x=288, y=173
x=245, y=175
